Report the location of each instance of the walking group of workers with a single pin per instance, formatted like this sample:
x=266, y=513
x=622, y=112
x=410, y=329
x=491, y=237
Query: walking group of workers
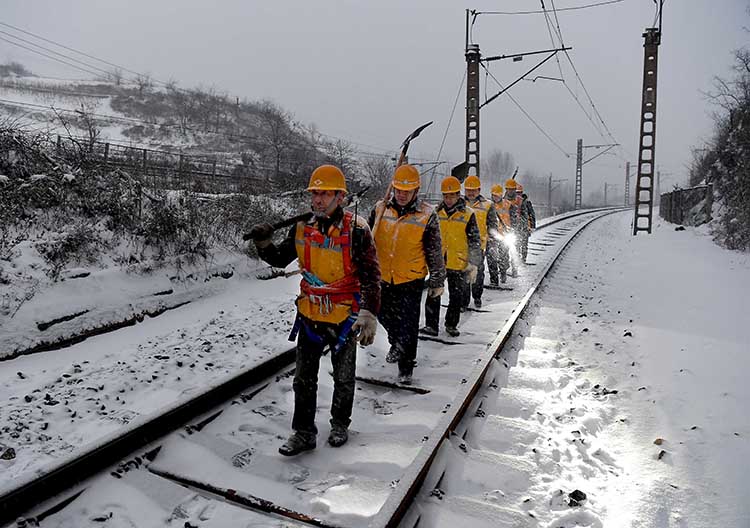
x=356, y=273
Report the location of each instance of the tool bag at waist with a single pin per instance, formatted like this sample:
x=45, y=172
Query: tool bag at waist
x=328, y=303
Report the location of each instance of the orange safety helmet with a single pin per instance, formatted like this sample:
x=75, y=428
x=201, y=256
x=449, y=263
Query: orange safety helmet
x=327, y=178
x=510, y=185
x=472, y=182
x=450, y=185
x=519, y=188
x=497, y=189
x=406, y=178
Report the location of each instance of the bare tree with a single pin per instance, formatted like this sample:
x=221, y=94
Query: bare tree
x=498, y=166
x=88, y=123
x=278, y=132
x=116, y=76
x=341, y=154
x=144, y=83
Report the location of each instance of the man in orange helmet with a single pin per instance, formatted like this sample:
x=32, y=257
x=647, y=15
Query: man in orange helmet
x=511, y=203
x=461, y=250
x=487, y=223
x=337, y=305
x=407, y=238
x=527, y=211
x=497, y=250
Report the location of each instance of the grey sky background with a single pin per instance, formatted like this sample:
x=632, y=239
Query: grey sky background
x=371, y=71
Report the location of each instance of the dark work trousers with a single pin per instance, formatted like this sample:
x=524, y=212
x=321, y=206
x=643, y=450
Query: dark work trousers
x=456, y=286
x=400, y=308
x=306, y=378
x=478, y=287
x=497, y=260
x=523, y=240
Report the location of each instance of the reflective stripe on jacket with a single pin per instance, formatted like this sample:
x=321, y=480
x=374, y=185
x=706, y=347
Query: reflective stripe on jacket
x=503, y=211
x=481, y=209
x=399, y=243
x=329, y=287
x=455, y=241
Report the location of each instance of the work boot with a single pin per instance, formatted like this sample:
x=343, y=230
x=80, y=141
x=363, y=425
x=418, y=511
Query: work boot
x=394, y=354
x=477, y=303
x=503, y=278
x=452, y=331
x=297, y=443
x=338, y=437
x=404, y=378
x=429, y=330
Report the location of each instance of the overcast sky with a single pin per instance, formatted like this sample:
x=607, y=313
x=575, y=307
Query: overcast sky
x=371, y=71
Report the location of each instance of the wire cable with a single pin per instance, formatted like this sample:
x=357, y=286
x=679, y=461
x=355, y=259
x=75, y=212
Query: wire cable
x=79, y=52
x=527, y=114
x=55, y=52
x=445, y=134
x=50, y=57
x=587, y=6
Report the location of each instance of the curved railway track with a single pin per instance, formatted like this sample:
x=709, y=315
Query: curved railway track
x=162, y=457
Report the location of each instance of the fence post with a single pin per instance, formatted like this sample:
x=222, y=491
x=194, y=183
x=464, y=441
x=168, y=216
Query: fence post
x=59, y=144
x=144, y=161
x=106, y=154
x=213, y=168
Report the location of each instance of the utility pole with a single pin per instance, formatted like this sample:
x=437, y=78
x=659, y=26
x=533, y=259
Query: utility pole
x=472, y=109
x=579, y=167
x=549, y=191
x=605, y=194
x=644, y=191
x=474, y=60
x=579, y=174
x=627, y=183
x=658, y=182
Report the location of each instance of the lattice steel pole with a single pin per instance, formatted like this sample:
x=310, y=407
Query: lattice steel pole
x=627, y=183
x=644, y=193
x=579, y=174
x=472, y=109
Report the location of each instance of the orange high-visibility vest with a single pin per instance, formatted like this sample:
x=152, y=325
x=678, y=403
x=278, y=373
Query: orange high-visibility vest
x=455, y=241
x=398, y=241
x=481, y=209
x=329, y=258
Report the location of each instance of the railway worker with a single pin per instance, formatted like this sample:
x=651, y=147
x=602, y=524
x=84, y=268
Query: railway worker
x=461, y=252
x=408, y=244
x=497, y=250
x=337, y=305
x=487, y=223
x=524, y=230
x=512, y=211
x=528, y=210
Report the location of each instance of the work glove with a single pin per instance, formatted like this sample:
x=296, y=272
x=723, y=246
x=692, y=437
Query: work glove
x=471, y=273
x=365, y=325
x=261, y=234
x=437, y=291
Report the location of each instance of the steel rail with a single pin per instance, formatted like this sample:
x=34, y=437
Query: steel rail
x=120, y=445
x=109, y=451
x=398, y=503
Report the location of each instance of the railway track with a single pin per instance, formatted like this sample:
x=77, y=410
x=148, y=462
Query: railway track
x=228, y=450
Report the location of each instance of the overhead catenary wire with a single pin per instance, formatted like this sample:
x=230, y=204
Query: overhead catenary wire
x=445, y=134
x=537, y=125
x=565, y=83
x=64, y=56
x=50, y=57
x=50, y=41
x=580, y=80
x=573, y=8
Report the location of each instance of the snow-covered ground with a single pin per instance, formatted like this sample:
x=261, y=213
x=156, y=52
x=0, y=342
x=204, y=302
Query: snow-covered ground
x=661, y=319
x=631, y=387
